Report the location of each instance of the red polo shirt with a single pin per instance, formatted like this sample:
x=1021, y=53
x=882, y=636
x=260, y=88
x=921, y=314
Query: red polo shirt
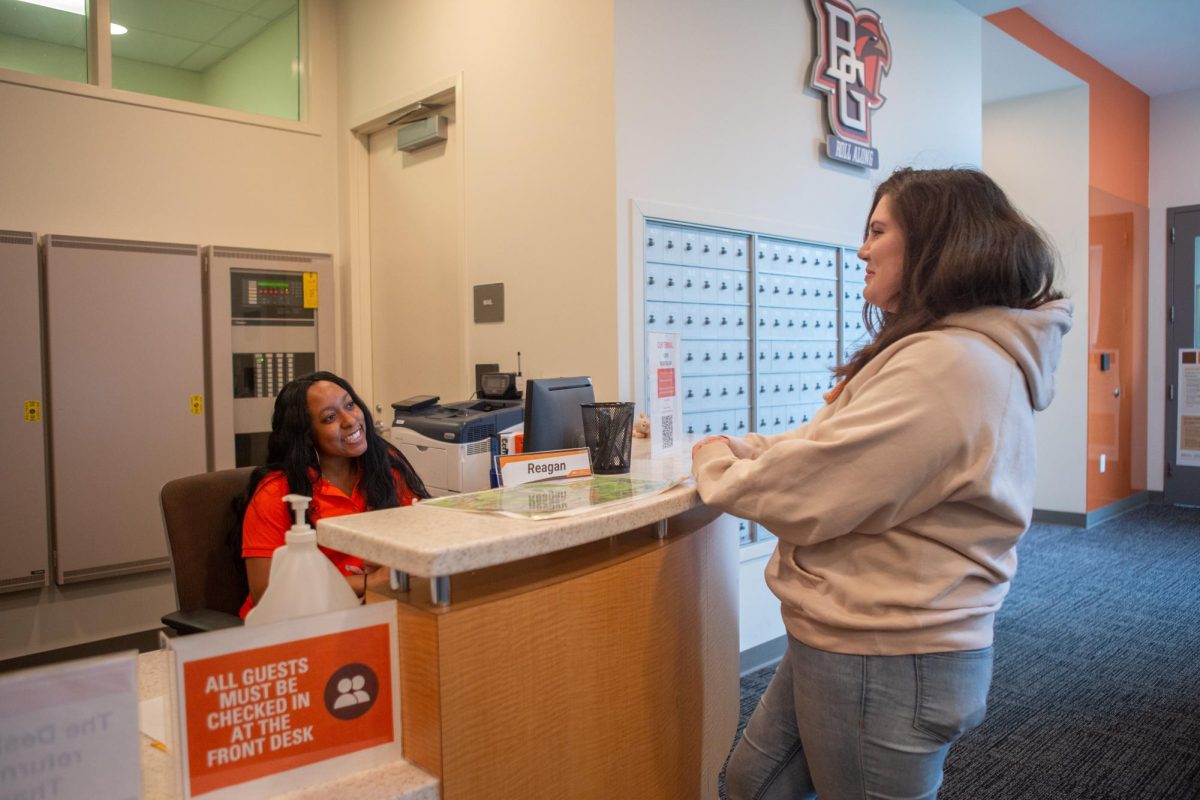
x=268, y=518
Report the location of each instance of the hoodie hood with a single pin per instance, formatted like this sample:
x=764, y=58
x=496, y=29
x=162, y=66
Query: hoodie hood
x=1033, y=337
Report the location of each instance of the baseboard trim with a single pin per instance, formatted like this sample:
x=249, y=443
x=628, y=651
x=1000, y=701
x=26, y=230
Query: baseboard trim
x=142, y=641
x=1118, y=508
x=1096, y=516
x=762, y=655
x=1060, y=518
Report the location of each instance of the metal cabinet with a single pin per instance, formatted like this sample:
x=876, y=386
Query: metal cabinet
x=23, y=493
x=762, y=320
x=125, y=395
x=796, y=330
x=854, y=332
x=697, y=284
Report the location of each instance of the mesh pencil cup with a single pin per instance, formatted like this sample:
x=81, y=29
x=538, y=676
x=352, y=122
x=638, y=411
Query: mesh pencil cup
x=608, y=431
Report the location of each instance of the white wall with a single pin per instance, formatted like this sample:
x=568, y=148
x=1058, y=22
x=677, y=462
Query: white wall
x=715, y=125
x=713, y=116
x=88, y=166
x=536, y=120
x=1174, y=181
x=1025, y=142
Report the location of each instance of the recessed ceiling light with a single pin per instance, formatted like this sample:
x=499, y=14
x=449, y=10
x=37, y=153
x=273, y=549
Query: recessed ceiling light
x=74, y=7
x=71, y=6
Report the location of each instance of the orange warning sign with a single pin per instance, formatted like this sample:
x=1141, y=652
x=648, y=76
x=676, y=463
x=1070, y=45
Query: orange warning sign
x=261, y=711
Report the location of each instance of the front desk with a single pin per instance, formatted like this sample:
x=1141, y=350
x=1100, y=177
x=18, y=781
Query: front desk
x=587, y=656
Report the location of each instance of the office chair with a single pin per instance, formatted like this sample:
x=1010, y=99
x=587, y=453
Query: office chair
x=198, y=512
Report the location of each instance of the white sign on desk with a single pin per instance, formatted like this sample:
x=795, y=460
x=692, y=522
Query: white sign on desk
x=277, y=707
x=69, y=729
x=666, y=408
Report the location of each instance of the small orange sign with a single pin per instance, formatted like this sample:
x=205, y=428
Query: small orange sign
x=261, y=711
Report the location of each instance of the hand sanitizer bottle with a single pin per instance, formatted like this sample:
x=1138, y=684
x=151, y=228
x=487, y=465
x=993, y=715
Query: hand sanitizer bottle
x=302, y=580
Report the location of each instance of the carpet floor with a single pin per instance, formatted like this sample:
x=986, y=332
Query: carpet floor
x=1096, y=689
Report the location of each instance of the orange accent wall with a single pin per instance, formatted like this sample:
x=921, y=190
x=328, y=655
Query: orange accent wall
x=1119, y=116
x=1118, y=174
x=1111, y=241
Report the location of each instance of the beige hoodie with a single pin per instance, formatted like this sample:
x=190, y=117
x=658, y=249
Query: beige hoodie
x=898, y=507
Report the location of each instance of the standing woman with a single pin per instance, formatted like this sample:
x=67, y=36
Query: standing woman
x=323, y=445
x=899, y=506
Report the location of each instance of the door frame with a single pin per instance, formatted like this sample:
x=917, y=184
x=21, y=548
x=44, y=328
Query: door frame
x=1170, y=417
x=358, y=212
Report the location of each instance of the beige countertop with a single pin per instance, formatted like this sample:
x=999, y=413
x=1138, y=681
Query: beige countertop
x=440, y=542
x=398, y=780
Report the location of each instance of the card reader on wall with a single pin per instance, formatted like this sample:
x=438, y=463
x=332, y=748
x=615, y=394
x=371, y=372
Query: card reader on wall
x=450, y=445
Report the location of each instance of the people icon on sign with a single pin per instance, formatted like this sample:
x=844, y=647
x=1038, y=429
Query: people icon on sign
x=351, y=692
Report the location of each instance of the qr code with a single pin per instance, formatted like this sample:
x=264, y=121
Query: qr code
x=668, y=430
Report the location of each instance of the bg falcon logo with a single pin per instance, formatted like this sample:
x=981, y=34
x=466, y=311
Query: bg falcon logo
x=853, y=55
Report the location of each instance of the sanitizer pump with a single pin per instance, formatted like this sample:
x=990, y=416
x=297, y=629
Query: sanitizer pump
x=302, y=581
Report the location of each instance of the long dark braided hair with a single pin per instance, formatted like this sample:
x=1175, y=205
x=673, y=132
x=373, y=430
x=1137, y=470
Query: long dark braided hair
x=290, y=450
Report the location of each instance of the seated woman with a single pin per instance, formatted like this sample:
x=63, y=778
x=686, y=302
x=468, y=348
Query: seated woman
x=323, y=445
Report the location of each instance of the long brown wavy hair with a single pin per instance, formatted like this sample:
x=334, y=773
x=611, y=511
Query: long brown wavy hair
x=966, y=246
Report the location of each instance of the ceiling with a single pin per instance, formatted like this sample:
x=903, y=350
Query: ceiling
x=1153, y=44
x=185, y=34
x=1010, y=69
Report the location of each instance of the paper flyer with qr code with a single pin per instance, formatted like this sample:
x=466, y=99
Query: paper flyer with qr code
x=666, y=411
x=1187, y=431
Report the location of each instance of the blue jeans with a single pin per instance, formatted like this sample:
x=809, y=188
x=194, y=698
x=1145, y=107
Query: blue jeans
x=844, y=726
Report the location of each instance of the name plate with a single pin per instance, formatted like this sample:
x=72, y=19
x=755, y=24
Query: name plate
x=514, y=470
x=70, y=731
x=272, y=708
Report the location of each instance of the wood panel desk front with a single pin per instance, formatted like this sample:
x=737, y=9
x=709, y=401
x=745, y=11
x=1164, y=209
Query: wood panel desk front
x=606, y=669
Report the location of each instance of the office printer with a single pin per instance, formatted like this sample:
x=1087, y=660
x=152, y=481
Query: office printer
x=450, y=445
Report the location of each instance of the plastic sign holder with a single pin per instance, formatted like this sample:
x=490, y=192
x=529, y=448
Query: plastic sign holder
x=666, y=404
x=1187, y=422
x=277, y=707
x=70, y=731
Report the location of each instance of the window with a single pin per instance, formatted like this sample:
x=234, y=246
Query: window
x=44, y=39
x=242, y=55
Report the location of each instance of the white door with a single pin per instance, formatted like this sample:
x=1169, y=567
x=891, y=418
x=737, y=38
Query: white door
x=419, y=295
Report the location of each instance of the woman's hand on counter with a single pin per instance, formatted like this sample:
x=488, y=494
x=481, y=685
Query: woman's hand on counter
x=706, y=441
x=369, y=576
